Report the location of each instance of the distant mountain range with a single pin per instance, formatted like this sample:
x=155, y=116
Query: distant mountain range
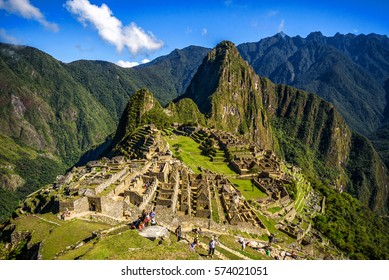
x=51, y=112
x=347, y=70
x=289, y=143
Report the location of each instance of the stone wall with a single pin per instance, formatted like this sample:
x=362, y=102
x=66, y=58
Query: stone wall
x=123, y=185
x=94, y=202
x=203, y=213
x=63, y=205
x=149, y=194
x=112, y=208
x=260, y=187
x=171, y=221
x=135, y=198
x=111, y=180
x=81, y=205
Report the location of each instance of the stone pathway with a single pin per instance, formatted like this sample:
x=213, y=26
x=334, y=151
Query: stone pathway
x=233, y=251
x=48, y=221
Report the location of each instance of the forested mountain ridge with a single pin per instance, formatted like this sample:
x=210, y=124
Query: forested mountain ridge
x=301, y=126
x=53, y=112
x=225, y=102
x=44, y=123
x=347, y=70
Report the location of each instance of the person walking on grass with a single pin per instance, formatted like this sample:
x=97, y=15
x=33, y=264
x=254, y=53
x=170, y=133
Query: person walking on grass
x=212, y=246
x=178, y=233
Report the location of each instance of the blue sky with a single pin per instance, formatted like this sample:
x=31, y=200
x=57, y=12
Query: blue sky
x=135, y=31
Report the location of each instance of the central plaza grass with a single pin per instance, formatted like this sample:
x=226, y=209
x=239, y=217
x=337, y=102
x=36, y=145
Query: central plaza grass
x=186, y=149
x=247, y=189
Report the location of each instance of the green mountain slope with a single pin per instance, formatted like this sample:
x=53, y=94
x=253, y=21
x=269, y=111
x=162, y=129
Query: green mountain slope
x=62, y=110
x=167, y=77
x=224, y=89
x=347, y=70
x=43, y=109
x=346, y=227
x=302, y=127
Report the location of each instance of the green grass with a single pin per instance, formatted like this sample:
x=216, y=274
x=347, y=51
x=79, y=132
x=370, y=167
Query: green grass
x=129, y=245
x=269, y=224
x=68, y=234
x=274, y=209
x=215, y=213
x=232, y=243
x=40, y=229
x=190, y=153
x=246, y=189
x=77, y=253
x=228, y=254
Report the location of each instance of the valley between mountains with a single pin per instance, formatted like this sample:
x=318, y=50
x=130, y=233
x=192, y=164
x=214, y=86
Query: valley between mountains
x=204, y=142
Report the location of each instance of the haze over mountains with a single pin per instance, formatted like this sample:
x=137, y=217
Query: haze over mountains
x=53, y=112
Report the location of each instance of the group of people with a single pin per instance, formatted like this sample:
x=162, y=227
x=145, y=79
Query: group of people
x=267, y=248
x=144, y=220
x=197, y=231
x=65, y=214
x=284, y=254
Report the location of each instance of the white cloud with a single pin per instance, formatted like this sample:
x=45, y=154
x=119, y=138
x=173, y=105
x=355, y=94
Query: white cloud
x=204, y=32
x=130, y=64
x=281, y=26
x=111, y=29
x=127, y=64
x=26, y=10
x=7, y=38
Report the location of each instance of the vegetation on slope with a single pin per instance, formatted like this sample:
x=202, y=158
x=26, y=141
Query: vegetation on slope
x=346, y=70
x=353, y=227
x=22, y=171
x=63, y=110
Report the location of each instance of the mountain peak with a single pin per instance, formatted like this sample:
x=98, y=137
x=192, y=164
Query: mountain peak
x=139, y=104
x=315, y=36
x=225, y=45
x=227, y=90
x=282, y=34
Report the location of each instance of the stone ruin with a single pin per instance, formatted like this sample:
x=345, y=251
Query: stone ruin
x=121, y=187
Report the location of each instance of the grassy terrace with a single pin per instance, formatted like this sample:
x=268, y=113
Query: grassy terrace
x=129, y=245
x=186, y=149
x=247, y=189
x=68, y=234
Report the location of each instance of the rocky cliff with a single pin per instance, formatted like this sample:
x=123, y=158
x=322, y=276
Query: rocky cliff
x=302, y=127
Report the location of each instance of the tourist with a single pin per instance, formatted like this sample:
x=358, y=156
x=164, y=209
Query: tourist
x=144, y=213
x=293, y=255
x=243, y=243
x=271, y=238
x=287, y=254
x=283, y=255
x=178, y=233
x=194, y=243
x=268, y=252
x=212, y=246
x=147, y=220
x=141, y=226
